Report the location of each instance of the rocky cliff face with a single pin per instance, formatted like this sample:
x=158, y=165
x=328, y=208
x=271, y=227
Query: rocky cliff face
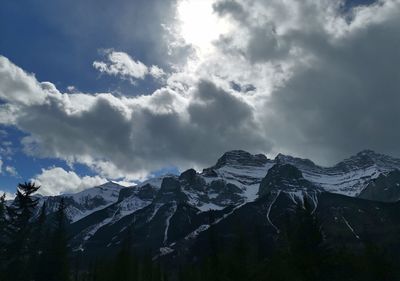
x=385, y=188
x=287, y=178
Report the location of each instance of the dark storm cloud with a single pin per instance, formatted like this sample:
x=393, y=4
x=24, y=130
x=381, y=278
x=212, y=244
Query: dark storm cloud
x=218, y=121
x=232, y=8
x=343, y=91
x=215, y=108
x=347, y=99
x=264, y=45
x=102, y=130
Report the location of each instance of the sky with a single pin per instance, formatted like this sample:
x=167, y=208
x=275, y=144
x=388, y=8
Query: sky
x=94, y=90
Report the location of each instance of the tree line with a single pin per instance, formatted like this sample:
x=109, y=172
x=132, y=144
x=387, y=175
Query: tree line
x=34, y=247
x=302, y=253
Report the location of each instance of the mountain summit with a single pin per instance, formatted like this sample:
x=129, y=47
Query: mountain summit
x=173, y=212
x=241, y=158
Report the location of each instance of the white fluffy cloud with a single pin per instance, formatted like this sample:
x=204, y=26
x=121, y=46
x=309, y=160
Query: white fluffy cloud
x=55, y=181
x=17, y=86
x=129, y=137
x=122, y=65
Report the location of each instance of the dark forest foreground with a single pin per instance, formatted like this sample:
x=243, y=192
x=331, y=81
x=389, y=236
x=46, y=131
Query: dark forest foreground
x=35, y=247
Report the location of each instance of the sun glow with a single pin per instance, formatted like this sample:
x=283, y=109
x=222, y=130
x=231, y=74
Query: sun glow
x=199, y=25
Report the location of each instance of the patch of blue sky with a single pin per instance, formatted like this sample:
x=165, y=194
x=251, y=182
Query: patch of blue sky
x=63, y=52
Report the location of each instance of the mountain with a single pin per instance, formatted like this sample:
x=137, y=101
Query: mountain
x=345, y=220
x=85, y=202
x=386, y=188
x=172, y=215
x=348, y=177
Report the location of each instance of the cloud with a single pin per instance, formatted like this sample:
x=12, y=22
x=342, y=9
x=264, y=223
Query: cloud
x=9, y=196
x=11, y=171
x=120, y=63
x=156, y=72
x=56, y=181
x=17, y=86
x=6, y=148
x=322, y=85
x=338, y=91
x=123, y=65
x=121, y=137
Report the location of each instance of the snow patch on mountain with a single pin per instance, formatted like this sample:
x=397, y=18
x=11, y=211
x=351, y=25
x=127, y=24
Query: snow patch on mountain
x=171, y=213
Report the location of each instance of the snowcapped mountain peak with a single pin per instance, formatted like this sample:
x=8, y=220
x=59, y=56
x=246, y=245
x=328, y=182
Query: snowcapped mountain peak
x=364, y=157
x=83, y=203
x=241, y=158
x=238, y=177
x=179, y=205
x=368, y=152
x=286, y=171
x=369, y=158
x=189, y=175
x=296, y=161
x=110, y=185
x=171, y=190
x=285, y=177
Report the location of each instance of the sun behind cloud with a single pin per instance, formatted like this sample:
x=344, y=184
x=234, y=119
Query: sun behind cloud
x=199, y=25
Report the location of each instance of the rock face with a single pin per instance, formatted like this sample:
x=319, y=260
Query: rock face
x=241, y=158
x=285, y=177
x=385, y=188
x=86, y=202
x=171, y=190
x=170, y=213
x=348, y=177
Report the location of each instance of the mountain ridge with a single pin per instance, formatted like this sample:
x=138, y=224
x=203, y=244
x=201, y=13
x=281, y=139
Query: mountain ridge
x=170, y=212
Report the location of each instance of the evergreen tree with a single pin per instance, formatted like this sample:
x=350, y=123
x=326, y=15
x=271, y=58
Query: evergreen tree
x=375, y=264
x=305, y=244
x=2, y=208
x=2, y=218
x=237, y=259
x=2, y=238
x=211, y=270
x=18, y=233
x=38, y=257
x=125, y=267
x=157, y=273
x=302, y=253
x=58, y=252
